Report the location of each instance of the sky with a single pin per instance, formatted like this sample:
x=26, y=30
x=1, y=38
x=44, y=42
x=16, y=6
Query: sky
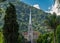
x=40, y=4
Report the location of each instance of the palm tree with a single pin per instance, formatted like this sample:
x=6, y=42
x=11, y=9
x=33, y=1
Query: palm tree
x=53, y=21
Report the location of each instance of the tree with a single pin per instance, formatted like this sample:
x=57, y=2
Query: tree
x=22, y=39
x=58, y=34
x=52, y=22
x=1, y=37
x=40, y=39
x=45, y=38
x=10, y=28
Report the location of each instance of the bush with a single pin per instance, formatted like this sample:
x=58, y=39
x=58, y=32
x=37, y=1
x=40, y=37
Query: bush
x=45, y=38
x=1, y=37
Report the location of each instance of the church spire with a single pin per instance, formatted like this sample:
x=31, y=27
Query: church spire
x=30, y=30
x=30, y=21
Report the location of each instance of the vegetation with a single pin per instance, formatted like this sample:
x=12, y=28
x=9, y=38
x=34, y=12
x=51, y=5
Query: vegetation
x=45, y=38
x=21, y=39
x=10, y=28
x=1, y=37
x=40, y=39
x=53, y=22
x=58, y=34
x=19, y=12
x=22, y=12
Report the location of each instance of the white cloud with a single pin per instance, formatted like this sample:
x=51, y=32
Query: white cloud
x=36, y=6
x=54, y=8
x=47, y=11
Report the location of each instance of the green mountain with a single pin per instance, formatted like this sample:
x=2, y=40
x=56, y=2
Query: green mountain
x=23, y=11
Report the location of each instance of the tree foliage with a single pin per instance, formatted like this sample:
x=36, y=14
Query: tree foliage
x=58, y=34
x=52, y=22
x=40, y=39
x=21, y=39
x=1, y=37
x=10, y=28
x=45, y=38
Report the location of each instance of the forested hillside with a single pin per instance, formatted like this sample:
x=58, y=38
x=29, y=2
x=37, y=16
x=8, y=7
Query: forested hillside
x=23, y=11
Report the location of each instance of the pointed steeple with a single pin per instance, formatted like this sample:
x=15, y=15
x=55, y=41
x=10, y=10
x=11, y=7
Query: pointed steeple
x=12, y=0
x=30, y=30
x=30, y=21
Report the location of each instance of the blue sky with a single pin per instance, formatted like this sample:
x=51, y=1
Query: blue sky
x=43, y=4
